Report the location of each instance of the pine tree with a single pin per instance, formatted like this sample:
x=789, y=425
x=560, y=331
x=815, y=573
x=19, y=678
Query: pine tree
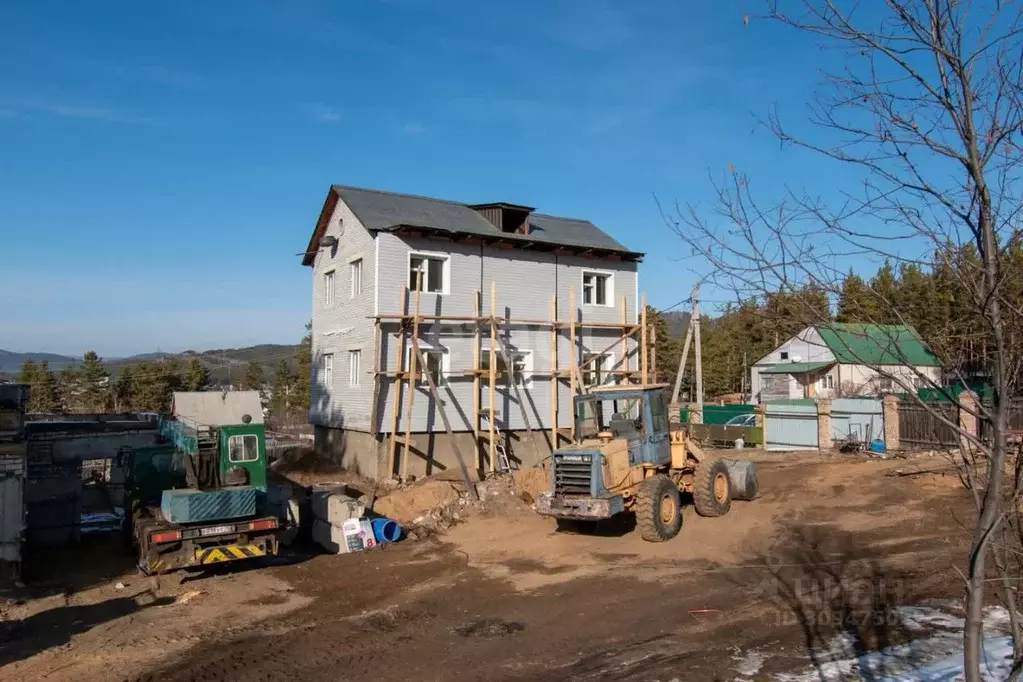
x=69, y=390
x=252, y=380
x=46, y=398
x=197, y=375
x=303, y=369
x=884, y=288
x=122, y=391
x=856, y=302
x=92, y=378
x=283, y=387
x=665, y=348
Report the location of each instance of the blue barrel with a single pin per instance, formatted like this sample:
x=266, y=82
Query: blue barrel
x=877, y=446
x=386, y=530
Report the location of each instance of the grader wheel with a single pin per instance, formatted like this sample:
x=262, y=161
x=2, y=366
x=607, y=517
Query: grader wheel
x=711, y=488
x=658, y=509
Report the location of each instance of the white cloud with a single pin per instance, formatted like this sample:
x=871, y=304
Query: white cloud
x=77, y=110
x=323, y=113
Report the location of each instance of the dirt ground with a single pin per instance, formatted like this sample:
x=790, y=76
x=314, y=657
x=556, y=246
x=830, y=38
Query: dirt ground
x=834, y=543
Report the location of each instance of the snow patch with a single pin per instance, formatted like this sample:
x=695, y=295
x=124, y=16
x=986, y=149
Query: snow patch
x=937, y=656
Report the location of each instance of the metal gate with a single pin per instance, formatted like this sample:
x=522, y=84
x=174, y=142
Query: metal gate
x=858, y=419
x=790, y=425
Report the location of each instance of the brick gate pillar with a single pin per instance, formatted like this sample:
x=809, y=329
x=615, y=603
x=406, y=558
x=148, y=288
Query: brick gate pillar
x=824, y=424
x=890, y=422
x=968, y=422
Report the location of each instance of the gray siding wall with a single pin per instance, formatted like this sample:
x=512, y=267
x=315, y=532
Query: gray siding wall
x=343, y=326
x=525, y=283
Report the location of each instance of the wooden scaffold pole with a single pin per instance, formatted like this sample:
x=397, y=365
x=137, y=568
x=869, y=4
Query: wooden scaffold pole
x=492, y=378
x=413, y=377
x=476, y=352
x=447, y=423
x=643, y=340
x=399, y=356
x=554, y=374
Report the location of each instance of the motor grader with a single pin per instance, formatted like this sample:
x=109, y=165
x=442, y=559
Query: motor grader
x=628, y=458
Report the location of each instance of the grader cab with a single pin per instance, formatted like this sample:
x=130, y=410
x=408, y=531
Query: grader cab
x=628, y=458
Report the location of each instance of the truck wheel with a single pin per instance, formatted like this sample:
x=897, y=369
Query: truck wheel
x=658, y=509
x=712, y=488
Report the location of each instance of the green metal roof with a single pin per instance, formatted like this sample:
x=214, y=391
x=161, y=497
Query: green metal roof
x=877, y=344
x=794, y=367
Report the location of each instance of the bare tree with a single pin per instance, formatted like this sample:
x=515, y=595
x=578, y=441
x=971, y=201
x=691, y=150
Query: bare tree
x=927, y=107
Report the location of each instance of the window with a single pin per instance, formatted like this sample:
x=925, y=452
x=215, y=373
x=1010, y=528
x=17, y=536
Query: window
x=436, y=366
x=885, y=383
x=827, y=381
x=356, y=271
x=328, y=288
x=522, y=366
x=658, y=413
x=427, y=273
x=328, y=370
x=598, y=371
x=597, y=288
x=243, y=448
x=784, y=355
x=354, y=367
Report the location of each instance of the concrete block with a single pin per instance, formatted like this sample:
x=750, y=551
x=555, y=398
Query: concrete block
x=330, y=538
x=336, y=508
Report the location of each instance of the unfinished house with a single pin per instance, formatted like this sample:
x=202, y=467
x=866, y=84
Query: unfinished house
x=489, y=315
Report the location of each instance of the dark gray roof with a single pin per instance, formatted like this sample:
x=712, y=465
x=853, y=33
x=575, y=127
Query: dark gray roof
x=379, y=210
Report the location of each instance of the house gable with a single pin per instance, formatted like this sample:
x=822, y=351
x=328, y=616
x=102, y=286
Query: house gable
x=806, y=346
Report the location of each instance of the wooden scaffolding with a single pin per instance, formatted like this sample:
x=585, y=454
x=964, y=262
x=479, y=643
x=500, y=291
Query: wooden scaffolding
x=487, y=329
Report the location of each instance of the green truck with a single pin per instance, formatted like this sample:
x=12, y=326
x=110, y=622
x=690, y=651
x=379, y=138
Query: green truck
x=199, y=496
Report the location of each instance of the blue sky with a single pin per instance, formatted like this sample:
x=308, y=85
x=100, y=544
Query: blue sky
x=163, y=162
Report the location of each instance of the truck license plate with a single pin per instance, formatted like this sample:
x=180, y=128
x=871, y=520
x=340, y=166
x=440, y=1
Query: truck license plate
x=216, y=530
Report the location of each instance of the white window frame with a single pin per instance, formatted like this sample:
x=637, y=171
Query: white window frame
x=609, y=288
x=445, y=270
x=354, y=367
x=355, y=277
x=329, y=291
x=445, y=365
x=527, y=370
x=606, y=367
x=827, y=382
x=327, y=380
x=242, y=437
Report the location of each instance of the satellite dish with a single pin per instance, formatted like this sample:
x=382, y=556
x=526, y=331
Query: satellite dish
x=797, y=358
x=328, y=242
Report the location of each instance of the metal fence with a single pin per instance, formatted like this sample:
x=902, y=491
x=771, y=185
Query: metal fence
x=930, y=425
x=791, y=425
x=858, y=420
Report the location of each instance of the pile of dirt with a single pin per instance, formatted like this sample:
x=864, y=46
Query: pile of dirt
x=405, y=504
x=532, y=481
x=431, y=506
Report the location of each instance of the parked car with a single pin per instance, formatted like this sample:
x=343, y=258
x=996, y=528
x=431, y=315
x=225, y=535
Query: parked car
x=742, y=420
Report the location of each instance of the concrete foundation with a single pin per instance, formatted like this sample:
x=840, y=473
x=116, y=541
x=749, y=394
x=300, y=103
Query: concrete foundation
x=429, y=453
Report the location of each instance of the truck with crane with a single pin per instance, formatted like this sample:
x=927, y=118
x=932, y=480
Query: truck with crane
x=199, y=496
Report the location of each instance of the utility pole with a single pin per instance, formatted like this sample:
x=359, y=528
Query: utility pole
x=699, y=350
x=685, y=353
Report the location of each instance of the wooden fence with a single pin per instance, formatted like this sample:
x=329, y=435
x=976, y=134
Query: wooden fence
x=925, y=426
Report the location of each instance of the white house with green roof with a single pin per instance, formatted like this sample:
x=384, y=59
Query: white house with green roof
x=844, y=360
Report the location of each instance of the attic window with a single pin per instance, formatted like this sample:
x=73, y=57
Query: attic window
x=510, y=218
x=784, y=355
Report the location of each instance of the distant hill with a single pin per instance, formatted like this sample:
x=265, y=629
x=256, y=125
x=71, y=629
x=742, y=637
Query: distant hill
x=224, y=364
x=677, y=322
x=11, y=361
